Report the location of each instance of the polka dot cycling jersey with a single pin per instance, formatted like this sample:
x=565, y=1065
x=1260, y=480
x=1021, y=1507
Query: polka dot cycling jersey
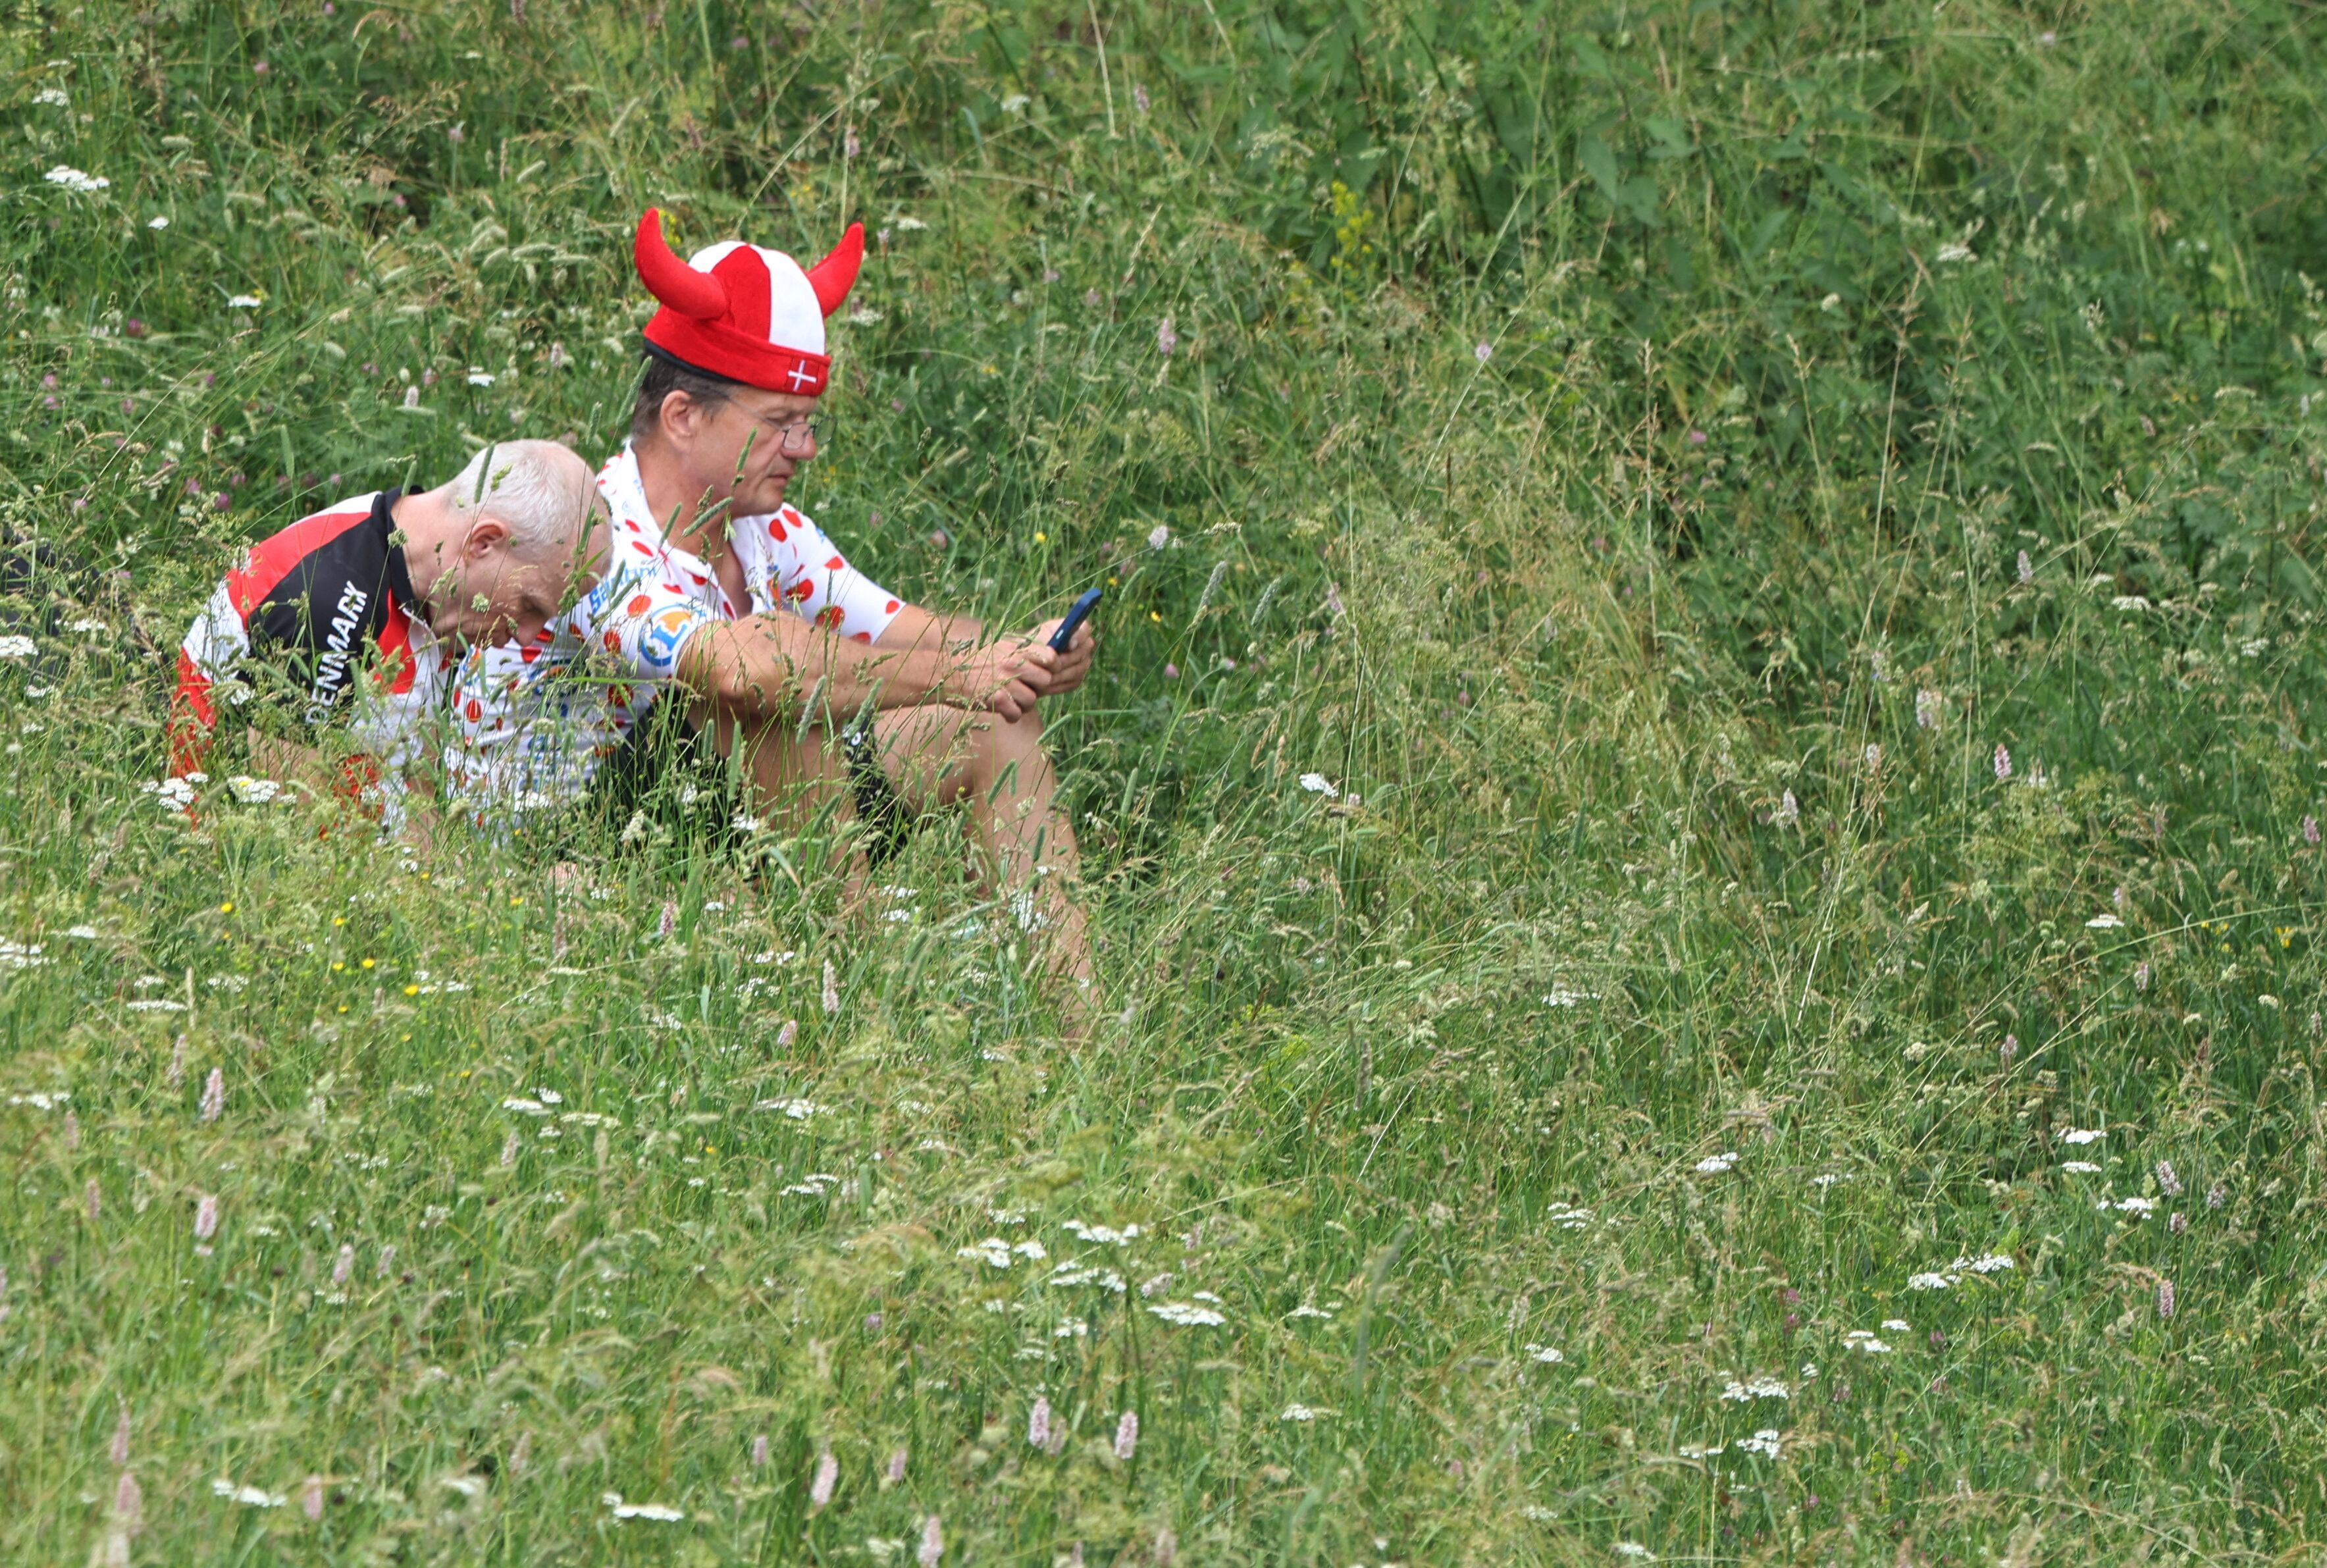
x=533, y=725
x=788, y=562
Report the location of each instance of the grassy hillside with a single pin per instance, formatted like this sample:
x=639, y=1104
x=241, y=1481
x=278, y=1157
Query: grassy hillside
x=1787, y=528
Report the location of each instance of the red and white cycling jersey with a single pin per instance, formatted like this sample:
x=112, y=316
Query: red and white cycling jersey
x=326, y=605
x=532, y=725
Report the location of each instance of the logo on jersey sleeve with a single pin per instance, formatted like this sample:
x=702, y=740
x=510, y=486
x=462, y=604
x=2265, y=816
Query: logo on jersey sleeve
x=667, y=632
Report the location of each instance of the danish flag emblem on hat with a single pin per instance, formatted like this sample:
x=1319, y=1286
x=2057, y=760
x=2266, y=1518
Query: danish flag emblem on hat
x=743, y=313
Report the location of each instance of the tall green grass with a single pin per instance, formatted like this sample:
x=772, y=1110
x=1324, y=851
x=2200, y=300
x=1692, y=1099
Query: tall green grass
x=1647, y=460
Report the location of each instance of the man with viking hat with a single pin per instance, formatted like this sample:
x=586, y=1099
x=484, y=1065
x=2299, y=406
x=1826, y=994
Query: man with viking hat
x=832, y=694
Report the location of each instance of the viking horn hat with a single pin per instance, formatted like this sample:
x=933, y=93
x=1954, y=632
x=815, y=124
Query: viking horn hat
x=743, y=313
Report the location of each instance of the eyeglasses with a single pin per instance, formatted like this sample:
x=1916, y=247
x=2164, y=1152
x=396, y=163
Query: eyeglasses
x=793, y=436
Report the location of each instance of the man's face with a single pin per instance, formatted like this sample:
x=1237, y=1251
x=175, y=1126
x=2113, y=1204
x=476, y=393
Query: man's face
x=496, y=598
x=754, y=442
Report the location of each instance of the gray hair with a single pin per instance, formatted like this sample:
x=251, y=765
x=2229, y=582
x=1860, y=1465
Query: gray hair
x=540, y=491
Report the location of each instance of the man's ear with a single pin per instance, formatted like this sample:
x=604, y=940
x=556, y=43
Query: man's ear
x=673, y=417
x=682, y=417
x=486, y=534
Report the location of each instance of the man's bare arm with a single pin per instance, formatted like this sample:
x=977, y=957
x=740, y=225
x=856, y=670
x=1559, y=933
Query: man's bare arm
x=914, y=626
x=766, y=666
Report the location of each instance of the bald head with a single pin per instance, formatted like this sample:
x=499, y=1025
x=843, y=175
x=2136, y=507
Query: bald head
x=540, y=492
x=498, y=550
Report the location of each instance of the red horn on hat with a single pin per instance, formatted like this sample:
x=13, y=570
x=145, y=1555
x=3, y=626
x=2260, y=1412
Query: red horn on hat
x=670, y=280
x=836, y=274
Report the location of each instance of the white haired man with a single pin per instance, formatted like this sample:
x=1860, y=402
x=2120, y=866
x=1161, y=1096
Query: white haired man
x=346, y=614
x=856, y=704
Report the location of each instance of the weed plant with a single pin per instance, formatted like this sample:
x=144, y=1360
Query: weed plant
x=1700, y=796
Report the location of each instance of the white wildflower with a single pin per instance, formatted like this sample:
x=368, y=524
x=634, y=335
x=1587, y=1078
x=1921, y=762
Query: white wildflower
x=72, y=179
x=1189, y=1315
x=1318, y=784
x=658, y=1512
x=2081, y=1135
x=1717, y=1164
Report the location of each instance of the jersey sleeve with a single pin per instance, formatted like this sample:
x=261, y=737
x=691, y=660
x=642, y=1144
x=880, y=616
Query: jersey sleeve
x=214, y=645
x=815, y=580
x=641, y=618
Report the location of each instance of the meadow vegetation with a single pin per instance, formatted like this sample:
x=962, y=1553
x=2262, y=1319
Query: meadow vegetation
x=1700, y=797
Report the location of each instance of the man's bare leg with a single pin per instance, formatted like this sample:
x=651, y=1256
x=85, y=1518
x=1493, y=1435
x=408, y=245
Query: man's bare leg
x=800, y=778
x=998, y=770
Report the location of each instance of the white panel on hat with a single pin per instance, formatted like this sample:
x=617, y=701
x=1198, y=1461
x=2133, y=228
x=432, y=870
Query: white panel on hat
x=795, y=320
x=711, y=256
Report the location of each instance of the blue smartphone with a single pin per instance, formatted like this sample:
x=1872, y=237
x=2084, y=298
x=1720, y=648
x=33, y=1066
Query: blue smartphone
x=1063, y=639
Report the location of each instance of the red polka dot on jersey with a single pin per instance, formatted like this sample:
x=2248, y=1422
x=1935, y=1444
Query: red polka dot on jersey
x=640, y=605
x=894, y=607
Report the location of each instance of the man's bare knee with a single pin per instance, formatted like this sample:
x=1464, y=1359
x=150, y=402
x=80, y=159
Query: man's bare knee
x=1005, y=756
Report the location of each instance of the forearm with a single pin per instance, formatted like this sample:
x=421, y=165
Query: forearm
x=769, y=665
x=914, y=626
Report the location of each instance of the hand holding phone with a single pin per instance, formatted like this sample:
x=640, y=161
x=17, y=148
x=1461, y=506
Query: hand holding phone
x=1064, y=637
